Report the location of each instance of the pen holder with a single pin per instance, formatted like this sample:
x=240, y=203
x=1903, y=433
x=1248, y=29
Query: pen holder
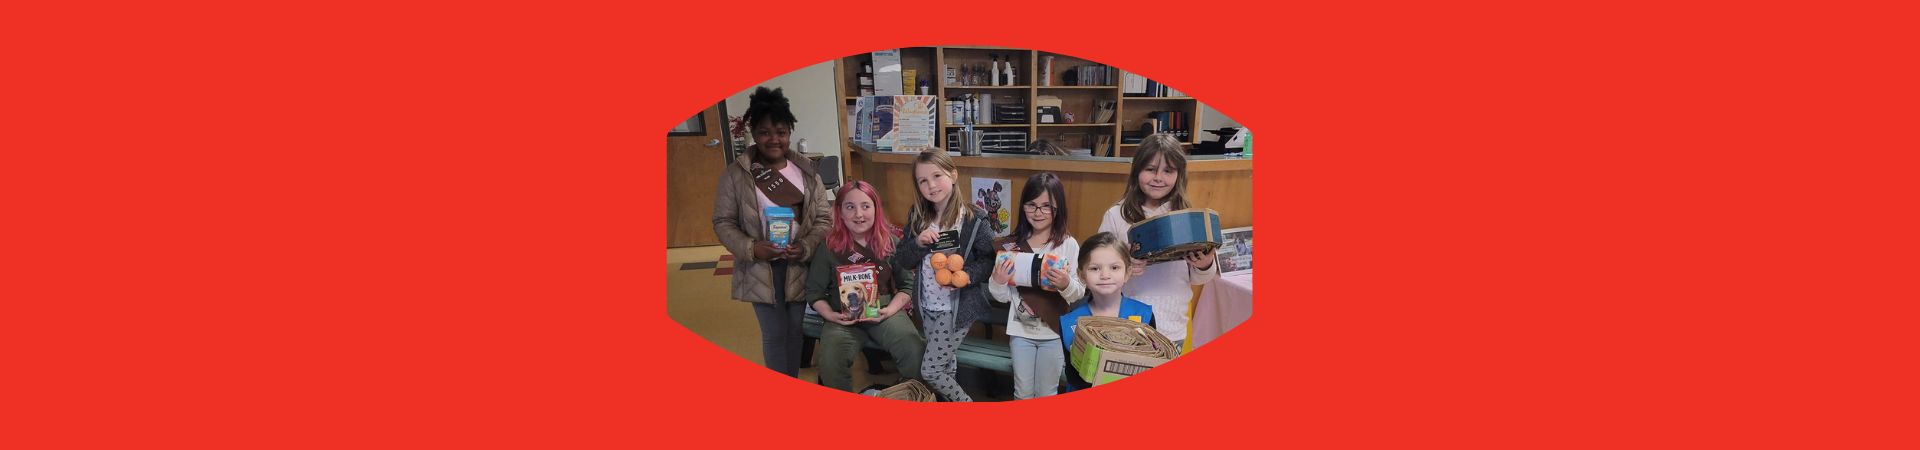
x=970, y=142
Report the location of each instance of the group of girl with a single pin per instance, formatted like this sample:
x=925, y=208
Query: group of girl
x=1100, y=278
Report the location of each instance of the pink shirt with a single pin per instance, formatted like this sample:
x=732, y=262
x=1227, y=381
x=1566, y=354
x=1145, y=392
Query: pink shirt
x=792, y=173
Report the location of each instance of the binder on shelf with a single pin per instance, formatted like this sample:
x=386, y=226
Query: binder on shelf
x=1139, y=86
x=1087, y=75
x=886, y=72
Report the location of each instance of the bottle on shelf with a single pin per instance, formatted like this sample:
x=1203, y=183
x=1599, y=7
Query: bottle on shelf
x=995, y=74
x=1009, y=73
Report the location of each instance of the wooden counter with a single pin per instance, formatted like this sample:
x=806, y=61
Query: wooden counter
x=1093, y=184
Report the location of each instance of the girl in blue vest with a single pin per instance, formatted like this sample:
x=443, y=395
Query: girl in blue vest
x=1104, y=269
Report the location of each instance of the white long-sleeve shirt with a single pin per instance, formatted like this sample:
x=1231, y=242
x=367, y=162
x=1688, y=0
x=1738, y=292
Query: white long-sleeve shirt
x=1026, y=325
x=1166, y=286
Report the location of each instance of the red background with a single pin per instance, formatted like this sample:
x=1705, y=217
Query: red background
x=1496, y=224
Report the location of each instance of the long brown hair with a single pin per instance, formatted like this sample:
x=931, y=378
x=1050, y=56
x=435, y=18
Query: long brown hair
x=1158, y=145
x=923, y=211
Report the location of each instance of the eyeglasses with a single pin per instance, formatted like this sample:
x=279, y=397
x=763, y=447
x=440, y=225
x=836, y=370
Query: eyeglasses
x=1036, y=209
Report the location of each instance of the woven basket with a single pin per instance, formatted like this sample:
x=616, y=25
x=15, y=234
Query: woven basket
x=909, y=390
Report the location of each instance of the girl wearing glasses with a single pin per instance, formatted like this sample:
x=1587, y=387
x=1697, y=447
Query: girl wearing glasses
x=1033, y=321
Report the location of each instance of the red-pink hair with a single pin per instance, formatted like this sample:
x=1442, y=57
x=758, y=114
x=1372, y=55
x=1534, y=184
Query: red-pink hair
x=880, y=239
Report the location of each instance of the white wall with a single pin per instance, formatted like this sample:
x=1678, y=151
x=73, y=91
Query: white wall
x=1213, y=120
x=809, y=91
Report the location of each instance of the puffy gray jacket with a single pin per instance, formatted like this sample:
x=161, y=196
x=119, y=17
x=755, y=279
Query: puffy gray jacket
x=736, y=220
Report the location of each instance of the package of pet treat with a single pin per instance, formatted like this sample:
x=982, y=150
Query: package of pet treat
x=779, y=222
x=859, y=290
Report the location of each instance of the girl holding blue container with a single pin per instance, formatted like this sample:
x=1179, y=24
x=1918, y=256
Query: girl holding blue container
x=770, y=210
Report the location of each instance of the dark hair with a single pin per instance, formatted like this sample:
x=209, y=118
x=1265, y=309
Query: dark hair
x=1045, y=147
x=1048, y=183
x=1103, y=239
x=1155, y=145
x=769, y=104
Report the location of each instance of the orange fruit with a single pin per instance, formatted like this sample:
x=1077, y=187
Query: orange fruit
x=955, y=264
x=939, y=260
x=943, y=277
x=960, y=279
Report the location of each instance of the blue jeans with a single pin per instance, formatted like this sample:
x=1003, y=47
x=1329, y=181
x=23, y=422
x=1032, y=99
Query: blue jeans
x=780, y=335
x=1036, y=366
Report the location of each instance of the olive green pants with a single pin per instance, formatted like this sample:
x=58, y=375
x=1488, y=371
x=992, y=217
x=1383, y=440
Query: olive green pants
x=839, y=343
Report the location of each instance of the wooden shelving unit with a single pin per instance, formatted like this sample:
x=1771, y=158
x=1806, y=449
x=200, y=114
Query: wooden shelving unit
x=1080, y=101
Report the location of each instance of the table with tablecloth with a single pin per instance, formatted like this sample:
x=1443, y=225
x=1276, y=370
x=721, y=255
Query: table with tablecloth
x=1223, y=303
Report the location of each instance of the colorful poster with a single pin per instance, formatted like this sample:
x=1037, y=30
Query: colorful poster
x=994, y=195
x=914, y=127
x=1236, y=251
